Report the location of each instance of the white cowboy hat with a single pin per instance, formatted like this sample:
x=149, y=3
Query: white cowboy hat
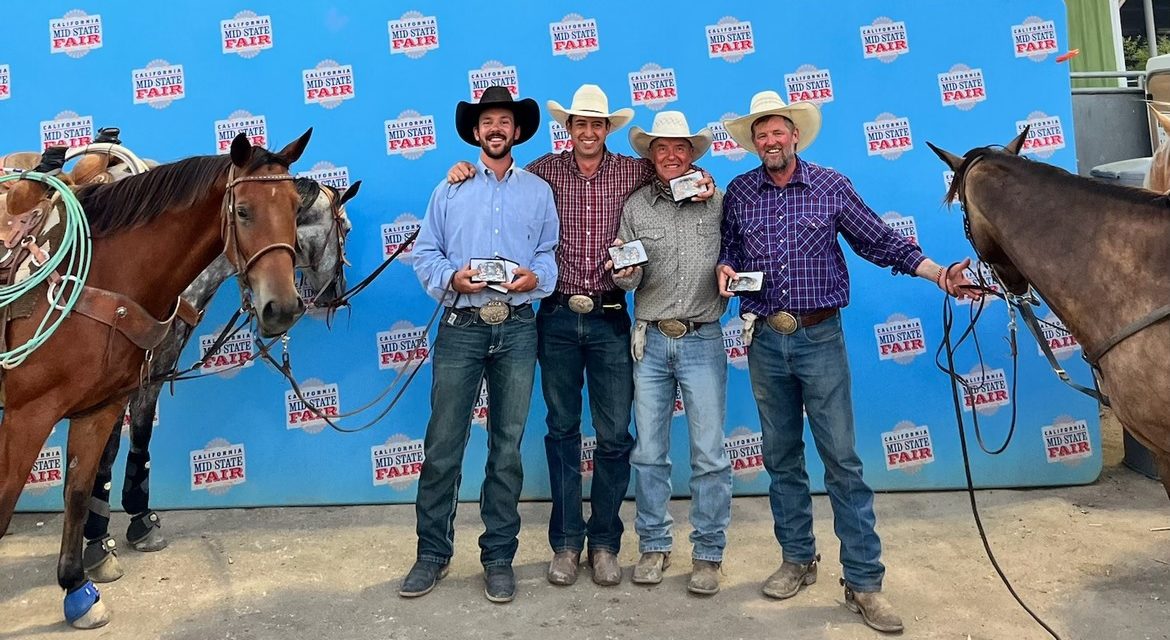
x=590, y=101
x=805, y=115
x=670, y=124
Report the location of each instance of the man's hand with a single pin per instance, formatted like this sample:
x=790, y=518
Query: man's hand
x=462, y=281
x=525, y=281
x=725, y=273
x=462, y=170
x=708, y=184
x=624, y=273
x=956, y=283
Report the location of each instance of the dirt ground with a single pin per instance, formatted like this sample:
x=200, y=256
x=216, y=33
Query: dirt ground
x=1084, y=558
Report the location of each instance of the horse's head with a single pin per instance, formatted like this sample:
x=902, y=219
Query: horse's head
x=982, y=234
x=322, y=228
x=260, y=229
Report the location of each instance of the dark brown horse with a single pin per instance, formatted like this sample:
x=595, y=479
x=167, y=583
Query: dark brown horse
x=1099, y=254
x=153, y=234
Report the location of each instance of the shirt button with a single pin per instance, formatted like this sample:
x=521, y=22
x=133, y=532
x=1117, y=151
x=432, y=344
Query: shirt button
x=497, y=230
x=588, y=233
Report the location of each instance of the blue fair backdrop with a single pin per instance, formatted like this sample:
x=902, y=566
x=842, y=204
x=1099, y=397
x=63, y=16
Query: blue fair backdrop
x=380, y=84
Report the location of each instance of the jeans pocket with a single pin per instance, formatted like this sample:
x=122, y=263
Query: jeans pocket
x=525, y=315
x=824, y=331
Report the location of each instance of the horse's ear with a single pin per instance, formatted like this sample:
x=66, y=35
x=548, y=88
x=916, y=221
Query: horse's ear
x=953, y=161
x=350, y=193
x=1017, y=142
x=1163, y=119
x=293, y=151
x=241, y=150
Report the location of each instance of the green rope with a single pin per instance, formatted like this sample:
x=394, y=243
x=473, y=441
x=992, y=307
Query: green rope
x=75, y=251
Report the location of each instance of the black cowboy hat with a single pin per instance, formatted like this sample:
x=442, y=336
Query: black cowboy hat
x=526, y=112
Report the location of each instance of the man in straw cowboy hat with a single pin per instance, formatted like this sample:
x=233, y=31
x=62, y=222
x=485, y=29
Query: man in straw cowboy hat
x=782, y=218
x=501, y=212
x=677, y=342
x=584, y=331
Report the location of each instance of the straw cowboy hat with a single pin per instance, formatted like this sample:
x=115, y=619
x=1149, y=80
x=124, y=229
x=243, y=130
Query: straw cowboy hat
x=670, y=124
x=590, y=101
x=525, y=112
x=806, y=116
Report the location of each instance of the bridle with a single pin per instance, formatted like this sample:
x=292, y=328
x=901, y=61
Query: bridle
x=337, y=233
x=230, y=234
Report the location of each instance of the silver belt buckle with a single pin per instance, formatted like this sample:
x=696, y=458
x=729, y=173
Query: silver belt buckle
x=672, y=328
x=494, y=312
x=783, y=322
x=581, y=304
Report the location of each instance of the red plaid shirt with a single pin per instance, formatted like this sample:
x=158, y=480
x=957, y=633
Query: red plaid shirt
x=590, y=210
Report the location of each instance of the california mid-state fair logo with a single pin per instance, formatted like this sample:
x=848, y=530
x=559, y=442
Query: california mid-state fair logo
x=588, y=448
x=653, y=87
x=884, y=39
x=679, y=408
x=900, y=339
x=404, y=345
x=1059, y=339
x=907, y=447
x=5, y=82
x=888, y=136
x=1035, y=39
x=730, y=39
x=493, y=73
x=236, y=353
x=158, y=84
x=904, y=225
x=308, y=411
x=66, y=129
x=962, y=87
x=218, y=467
x=398, y=462
x=413, y=35
x=722, y=144
x=398, y=232
x=809, y=84
x=1045, y=136
x=745, y=449
x=410, y=135
x=574, y=37
x=327, y=173
x=559, y=138
x=48, y=471
x=75, y=34
x=246, y=35
x=1066, y=440
x=240, y=121
x=479, y=411
x=985, y=390
x=328, y=84
x=733, y=346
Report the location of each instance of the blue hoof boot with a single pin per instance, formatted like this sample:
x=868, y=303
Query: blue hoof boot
x=84, y=608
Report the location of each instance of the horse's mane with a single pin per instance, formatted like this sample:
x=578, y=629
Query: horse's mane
x=136, y=200
x=308, y=189
x=1067, y=182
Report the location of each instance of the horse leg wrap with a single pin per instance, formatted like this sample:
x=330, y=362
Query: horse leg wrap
x=136, y=491
x=141, y=525
x=79, y=601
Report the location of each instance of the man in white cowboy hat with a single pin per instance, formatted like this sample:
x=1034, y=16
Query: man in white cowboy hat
x=502, y=212
x=584, y=330
x=782, y=218
x=677, y=343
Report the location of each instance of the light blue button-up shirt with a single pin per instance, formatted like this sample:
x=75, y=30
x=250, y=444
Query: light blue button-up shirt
x=513, y=218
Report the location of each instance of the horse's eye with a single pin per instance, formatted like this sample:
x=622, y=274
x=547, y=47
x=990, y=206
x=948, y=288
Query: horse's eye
x=243, y=213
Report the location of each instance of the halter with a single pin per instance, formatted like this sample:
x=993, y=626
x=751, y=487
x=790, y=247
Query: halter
x=338, y=233
x=230, y=234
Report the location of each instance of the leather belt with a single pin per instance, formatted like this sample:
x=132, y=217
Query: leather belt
x=677, y=328
x=492, y=313
x=580, y=303
x=786, y=322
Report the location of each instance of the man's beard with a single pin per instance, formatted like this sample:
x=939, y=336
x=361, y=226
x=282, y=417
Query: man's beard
x=485, y=144
x=777, y=163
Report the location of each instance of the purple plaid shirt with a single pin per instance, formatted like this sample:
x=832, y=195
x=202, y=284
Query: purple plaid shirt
x=790, y=234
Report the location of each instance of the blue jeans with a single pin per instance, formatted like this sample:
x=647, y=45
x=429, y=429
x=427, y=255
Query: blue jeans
x=575, y=348
x=463, y=354
x=698, y=365
x=809, y=368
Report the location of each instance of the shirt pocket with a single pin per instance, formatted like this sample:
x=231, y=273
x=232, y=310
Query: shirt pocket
x=755, y=241
x=815, y=233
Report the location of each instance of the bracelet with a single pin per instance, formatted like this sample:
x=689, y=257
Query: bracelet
x=938, y=279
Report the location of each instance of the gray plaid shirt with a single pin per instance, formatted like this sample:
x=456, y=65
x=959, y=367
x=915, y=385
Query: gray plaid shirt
x=682, y=245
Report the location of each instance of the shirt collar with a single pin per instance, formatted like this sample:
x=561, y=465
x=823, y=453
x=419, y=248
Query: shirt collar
x=606, y=157
x=799, y=176
x=483, y=170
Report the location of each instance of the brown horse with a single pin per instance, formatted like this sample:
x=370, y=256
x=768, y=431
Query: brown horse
x=1099, y=254
x=153, y=234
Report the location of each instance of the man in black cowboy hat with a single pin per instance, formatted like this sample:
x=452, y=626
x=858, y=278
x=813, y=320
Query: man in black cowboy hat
x=503, y=212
